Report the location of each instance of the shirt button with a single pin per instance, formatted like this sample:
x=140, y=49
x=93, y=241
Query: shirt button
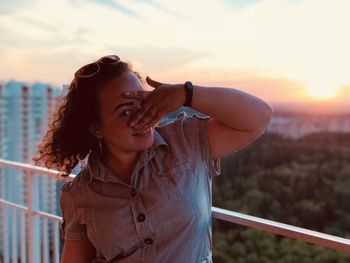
x=148, y=241
x=141, y=217
x=133, y=192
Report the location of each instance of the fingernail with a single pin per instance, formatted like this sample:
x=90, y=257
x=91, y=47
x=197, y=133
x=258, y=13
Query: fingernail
x=132, y=123
x=126, y=93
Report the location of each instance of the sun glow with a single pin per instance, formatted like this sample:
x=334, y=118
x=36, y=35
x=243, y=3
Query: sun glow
x=323, y=90
x=321, y=95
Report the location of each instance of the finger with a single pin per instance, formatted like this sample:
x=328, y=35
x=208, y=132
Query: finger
x=153, y=83
x=146, y=116
x=156, y=118
x=153, y=119
x=135, y=119
x=139, y=94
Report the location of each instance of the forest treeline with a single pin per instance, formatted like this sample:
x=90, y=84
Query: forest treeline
x=303, y=182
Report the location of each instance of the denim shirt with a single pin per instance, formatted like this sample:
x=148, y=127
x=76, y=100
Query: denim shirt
x=163, y=216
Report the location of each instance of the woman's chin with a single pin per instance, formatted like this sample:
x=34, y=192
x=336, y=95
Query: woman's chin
x=146, y=139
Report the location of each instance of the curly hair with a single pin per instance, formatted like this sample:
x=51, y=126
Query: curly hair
x=68, y=139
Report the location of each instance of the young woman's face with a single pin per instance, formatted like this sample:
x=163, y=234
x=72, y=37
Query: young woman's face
x=115, y=112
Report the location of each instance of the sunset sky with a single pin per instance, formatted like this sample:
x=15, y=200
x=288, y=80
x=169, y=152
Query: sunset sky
x=283, y=51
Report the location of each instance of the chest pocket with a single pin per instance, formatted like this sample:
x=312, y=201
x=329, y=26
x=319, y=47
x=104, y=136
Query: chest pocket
x=176, y=181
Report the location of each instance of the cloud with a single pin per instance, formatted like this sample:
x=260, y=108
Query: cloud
x=14, y=39
x=152, y=59
x=77, y=37
x=31, y=67
x=115, y=5
x=37, y=23
x=296, y=2
x=9, y=7
x=164, y=9
x=48, y=36
x=270, y=88
x=160, y=7
x=295, y=44
x=241, y=3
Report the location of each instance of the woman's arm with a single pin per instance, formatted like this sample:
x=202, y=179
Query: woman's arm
x=238, y=118
x=235, y=108
x=78, y=251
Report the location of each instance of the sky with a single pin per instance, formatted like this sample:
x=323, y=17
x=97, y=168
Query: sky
x=290, y=52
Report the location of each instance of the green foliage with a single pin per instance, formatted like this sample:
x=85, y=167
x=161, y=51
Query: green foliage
x=304, y=183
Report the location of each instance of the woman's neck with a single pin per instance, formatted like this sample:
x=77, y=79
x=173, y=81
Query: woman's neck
x=121, y=164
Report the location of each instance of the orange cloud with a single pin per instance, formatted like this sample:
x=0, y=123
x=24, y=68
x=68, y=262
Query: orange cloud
x=274, y=89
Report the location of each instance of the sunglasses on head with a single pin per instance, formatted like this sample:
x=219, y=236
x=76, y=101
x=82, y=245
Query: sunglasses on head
x=92, y=69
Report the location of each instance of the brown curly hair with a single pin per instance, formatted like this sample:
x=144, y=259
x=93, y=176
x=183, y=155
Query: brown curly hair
x=68, y=139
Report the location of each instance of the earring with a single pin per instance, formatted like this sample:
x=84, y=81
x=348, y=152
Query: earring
x=82, y=161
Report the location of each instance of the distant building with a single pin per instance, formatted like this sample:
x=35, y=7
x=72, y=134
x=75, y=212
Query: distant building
x=297, y=125
x=25, y=112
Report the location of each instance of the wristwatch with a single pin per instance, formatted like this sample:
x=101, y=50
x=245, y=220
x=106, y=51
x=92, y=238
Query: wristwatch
x=189, y=93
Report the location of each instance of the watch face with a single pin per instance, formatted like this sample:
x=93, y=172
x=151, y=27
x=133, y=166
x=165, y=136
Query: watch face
x=188, y=85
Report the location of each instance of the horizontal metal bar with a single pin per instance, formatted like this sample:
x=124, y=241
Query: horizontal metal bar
x=24, y=208
x=13, y=205
x=35, y=169
x=47, y=215
x=282, y=229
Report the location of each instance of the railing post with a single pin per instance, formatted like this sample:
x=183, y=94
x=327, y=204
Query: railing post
x=5, y=254
x=56, y=242
x=29, y=204
x=14, y=244
x=23, y=236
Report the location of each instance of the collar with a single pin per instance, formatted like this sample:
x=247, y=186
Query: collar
x=97, y=170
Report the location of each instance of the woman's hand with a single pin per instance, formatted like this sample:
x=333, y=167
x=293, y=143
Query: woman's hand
x=155, y=104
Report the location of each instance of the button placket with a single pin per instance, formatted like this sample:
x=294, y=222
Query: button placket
x=133, y=192
x=143, y=227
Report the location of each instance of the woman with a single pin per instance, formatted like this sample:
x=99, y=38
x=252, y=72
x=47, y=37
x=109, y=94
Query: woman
x=145, y=193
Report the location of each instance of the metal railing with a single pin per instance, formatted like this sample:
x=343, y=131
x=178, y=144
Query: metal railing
x=282, y=229
x=29, y=218
x=26, y=248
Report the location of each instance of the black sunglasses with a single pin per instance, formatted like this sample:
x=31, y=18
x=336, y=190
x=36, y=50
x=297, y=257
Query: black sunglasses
x=92, y=69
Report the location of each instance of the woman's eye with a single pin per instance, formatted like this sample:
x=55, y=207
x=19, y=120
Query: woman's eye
x=125, y=113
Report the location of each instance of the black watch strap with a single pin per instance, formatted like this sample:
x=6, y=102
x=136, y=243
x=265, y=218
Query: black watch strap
x=189, y=93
